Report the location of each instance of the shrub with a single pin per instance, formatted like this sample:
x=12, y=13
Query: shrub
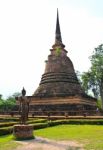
x=7, y=124
x=5, y=119
x=6, y=130
x=54, y=123
x=81, y=121
x=37, y=121
x=39, y=125
x=43, y=124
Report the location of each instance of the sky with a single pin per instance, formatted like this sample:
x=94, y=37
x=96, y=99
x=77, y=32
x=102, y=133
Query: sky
x=27, y=33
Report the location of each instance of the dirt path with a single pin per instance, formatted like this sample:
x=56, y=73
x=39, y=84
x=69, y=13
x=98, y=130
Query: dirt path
x=45, y=144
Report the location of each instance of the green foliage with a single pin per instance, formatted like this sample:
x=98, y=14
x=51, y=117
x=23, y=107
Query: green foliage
x=97, y=62
x=58, y=51
x=99, y=104
x=76, y=121
x=85, y=78
x=93, y=79
x=97, y=66
x=7, y=127
x=8, y=119
x=9, y=103
x=6, y=130
x=7, y=124
x=39, y=125
x=37, y=121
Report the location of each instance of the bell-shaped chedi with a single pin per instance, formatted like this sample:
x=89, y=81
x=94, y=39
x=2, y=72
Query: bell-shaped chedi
x=59, y=78
x=59, y=89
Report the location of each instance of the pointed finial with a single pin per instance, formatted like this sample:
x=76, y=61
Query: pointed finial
x=58, y=38
x=58, y=32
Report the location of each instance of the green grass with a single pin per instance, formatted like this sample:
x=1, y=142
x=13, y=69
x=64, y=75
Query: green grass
x=7, y=143
x=91, y=136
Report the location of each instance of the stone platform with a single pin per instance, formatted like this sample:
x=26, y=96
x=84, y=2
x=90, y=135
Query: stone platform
x=23, y=131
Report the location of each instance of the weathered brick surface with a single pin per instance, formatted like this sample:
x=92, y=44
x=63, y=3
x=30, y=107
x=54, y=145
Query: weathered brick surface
x=23, y=131
x=59, y=78
x=59, y=88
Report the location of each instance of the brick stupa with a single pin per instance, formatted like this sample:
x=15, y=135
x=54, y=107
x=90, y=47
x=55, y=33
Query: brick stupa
x=59, y=89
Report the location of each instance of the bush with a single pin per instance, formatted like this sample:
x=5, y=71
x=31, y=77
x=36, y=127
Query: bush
x=37, y=121
x=54, y=123
x=7, y=124
x=6, y=130
x=5, y=119
x=39, y=125
x=81, y=121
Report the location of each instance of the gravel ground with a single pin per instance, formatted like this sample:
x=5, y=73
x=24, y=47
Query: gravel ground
x=45, y=144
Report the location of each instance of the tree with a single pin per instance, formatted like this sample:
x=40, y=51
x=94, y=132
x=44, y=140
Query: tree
x=0, y=96
x=97, y=69
x=1, y=103
x=89, y=83
x=93, y=79
x=9, y=103
x=99, y=104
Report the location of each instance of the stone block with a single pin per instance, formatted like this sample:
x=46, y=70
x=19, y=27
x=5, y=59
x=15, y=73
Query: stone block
x=23, y=131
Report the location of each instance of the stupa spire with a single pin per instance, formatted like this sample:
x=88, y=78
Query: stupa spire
x=58, y=37
x=58, y=32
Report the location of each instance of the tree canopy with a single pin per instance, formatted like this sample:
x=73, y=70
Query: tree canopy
x=93, y=79
x=9, y=103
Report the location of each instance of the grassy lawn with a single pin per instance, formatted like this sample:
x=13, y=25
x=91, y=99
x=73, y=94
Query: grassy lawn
x=7, y=143
x=91, y=136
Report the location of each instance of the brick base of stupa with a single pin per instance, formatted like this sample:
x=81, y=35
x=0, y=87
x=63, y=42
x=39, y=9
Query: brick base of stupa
x=73, y=105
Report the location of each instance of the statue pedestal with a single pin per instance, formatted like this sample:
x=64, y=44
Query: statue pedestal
x=23, y=131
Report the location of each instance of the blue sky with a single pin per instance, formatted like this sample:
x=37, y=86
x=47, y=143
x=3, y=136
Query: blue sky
x=27, y=31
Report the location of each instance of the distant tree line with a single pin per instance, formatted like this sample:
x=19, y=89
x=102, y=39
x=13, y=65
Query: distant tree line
x=7, y=105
